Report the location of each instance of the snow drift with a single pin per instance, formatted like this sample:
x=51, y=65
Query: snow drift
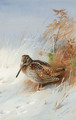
x=18, y=101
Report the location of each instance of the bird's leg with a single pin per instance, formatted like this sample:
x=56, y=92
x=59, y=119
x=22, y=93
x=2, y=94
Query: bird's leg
x=40, y=85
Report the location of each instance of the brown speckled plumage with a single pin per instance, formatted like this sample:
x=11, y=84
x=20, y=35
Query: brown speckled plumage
x=40, y=72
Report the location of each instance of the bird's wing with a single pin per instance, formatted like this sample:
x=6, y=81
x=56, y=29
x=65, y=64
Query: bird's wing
x=42, y=63
x=44, y=72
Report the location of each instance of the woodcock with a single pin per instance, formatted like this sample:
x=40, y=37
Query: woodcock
x=39, y=71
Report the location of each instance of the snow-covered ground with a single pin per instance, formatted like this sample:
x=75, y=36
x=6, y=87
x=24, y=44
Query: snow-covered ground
x=18, y=101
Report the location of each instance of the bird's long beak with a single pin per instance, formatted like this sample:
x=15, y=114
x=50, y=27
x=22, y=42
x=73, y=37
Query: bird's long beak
x=19, y=70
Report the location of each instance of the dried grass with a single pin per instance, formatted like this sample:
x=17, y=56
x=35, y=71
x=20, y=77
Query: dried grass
x=63, y=29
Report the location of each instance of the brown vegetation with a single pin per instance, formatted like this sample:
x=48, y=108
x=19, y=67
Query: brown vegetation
x=63, y=30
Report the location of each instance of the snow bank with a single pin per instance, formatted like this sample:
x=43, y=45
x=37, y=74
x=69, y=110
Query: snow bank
x=17, y=102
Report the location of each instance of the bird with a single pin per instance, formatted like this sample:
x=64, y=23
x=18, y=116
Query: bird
x=39, y=71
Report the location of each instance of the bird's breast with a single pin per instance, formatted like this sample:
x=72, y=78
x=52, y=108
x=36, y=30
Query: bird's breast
x=32, y=75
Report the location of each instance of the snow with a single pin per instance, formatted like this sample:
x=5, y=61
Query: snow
x=18, y=101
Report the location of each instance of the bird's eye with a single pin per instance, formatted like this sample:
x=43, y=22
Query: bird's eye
x=26, y=57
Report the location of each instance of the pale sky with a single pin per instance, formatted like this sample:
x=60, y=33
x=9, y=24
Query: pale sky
x=19, y=16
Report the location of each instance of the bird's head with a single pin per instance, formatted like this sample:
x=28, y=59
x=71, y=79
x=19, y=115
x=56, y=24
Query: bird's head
x=25, y=61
